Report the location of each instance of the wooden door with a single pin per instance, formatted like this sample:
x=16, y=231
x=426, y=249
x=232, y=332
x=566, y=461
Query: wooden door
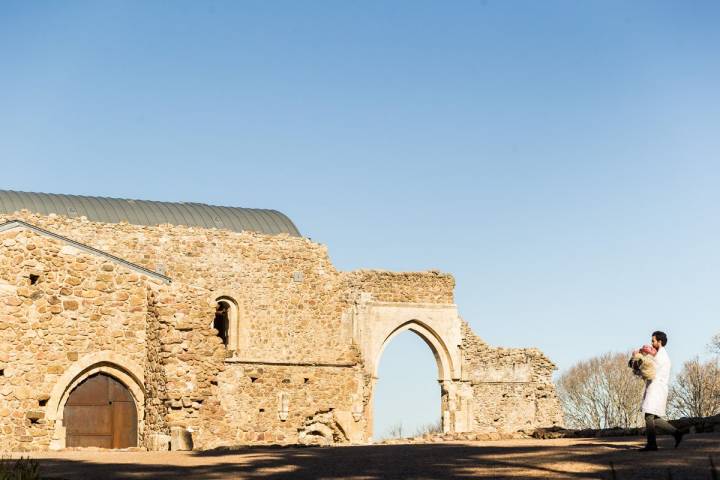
x=100, y=413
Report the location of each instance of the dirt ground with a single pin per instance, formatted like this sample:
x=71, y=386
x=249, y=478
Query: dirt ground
x=561, y=459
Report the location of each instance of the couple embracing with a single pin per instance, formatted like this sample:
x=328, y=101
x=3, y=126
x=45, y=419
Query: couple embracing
x=657, y=383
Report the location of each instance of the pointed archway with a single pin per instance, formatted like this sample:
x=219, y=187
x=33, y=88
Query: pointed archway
x=375, y=324
x=442, y=359
x=407, y=398
x=122, y=370
x=431, y=338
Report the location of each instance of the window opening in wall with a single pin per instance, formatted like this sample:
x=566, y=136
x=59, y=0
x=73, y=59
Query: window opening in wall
x=34, y=279
x=2, y=372
x=222, y=321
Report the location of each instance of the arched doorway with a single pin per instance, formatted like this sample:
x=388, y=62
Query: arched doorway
x=407, y=399
x=374, y=324
x=100, y=412
x=442, y=361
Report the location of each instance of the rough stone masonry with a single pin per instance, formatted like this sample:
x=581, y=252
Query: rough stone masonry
x=224, y=337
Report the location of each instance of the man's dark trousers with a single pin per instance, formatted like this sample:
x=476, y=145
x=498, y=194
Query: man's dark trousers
x=651, y=423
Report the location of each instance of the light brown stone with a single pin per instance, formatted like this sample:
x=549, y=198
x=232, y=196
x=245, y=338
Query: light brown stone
x=70, y=304
x=293, y=356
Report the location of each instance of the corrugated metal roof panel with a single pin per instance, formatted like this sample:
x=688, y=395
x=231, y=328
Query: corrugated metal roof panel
x=141, y=212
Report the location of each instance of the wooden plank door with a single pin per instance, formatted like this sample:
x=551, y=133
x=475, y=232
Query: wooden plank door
x=124, y=415
x=100, y=412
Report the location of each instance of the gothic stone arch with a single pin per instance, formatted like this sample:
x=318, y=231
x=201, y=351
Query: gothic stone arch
x=126, y=371
x=377, y=323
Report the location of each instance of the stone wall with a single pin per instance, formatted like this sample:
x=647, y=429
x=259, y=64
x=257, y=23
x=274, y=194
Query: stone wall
x=271, y=403
x=76, y=304
x=294, y=370
x=288, y=293
x=402, y=287
x=157, y=400
x=512, y=388
x=289, y=299
x=690, y=424
x=192, y=356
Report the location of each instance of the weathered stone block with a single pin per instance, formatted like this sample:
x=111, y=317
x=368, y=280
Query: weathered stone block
x=35, y=415
x=70, y=304
x=181, y=439
x=159, y=442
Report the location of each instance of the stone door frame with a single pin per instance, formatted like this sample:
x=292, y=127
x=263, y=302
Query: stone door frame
x=374, y=326
x=110, y=363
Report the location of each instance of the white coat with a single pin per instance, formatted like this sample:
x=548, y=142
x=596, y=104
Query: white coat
x=656, y=391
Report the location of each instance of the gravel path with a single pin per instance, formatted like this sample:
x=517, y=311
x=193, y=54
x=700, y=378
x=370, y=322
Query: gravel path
x=561, y=459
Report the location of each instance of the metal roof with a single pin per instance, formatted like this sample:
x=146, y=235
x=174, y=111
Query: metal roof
x=144, y=212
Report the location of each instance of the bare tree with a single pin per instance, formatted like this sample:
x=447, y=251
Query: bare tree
x=394, y=431
x=696, y=390
x=601, y=392
x=429, y=428
x=715, y=344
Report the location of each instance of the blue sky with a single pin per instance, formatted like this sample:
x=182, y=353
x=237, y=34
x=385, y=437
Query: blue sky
x=559, y=158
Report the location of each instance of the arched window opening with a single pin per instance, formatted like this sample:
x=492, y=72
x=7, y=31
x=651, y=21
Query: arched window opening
x=226, y=322
x=222, y=321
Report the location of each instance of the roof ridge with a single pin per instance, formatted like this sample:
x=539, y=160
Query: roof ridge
x=149, y=212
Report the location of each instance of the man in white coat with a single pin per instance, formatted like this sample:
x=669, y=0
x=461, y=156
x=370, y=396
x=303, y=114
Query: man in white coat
x=655, y=397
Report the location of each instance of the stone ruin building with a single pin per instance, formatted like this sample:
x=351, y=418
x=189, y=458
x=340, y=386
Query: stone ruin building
x=128, y=323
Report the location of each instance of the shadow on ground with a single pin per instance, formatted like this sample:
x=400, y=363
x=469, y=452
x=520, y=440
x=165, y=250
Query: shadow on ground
x=568, y=458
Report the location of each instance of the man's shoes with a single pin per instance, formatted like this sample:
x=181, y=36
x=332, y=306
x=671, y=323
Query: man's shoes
x=648, y=448
x=678, y=437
